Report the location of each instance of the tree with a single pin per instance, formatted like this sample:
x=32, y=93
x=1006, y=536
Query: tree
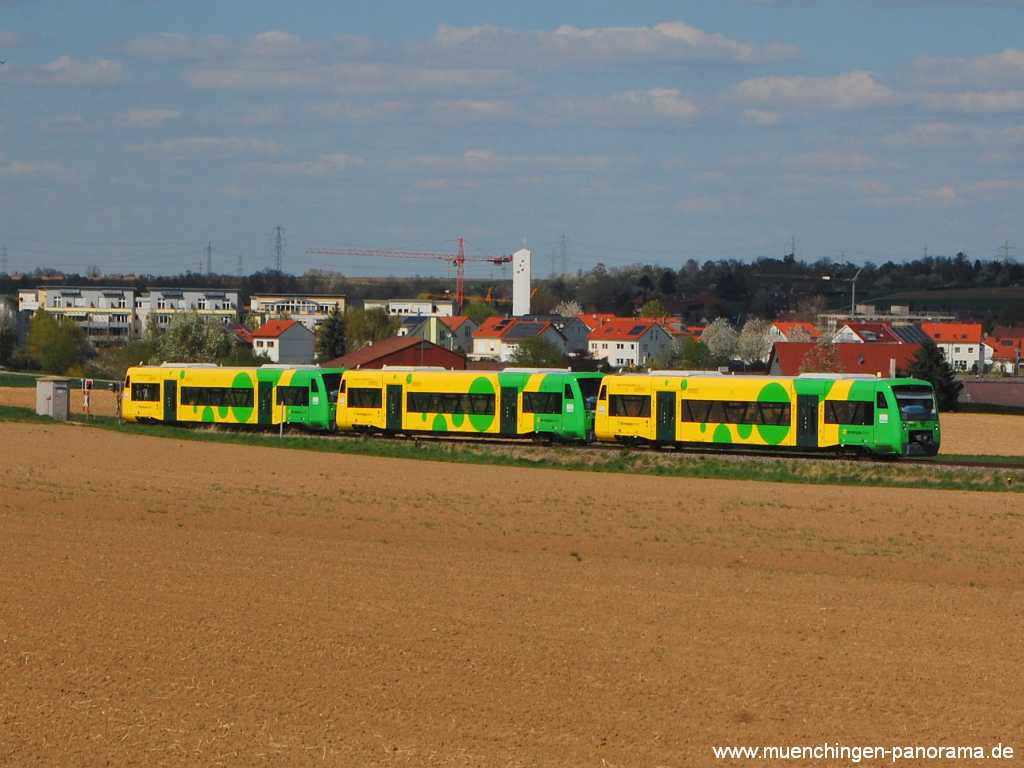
x=823, y=357
x=568, y=308
x=8, y=339
x=653, y=308
x=330, y=336
x=754, y=344
x=365, y=326
x=538, y=352
x=189, y=338
x=720, y=340
x=799, y=333
x=694, y=355
x=56, y=343
x=478, y=311
x=930, y=364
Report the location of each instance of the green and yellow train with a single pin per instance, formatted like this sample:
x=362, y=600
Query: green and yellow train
x=183, y=393
x=516, y=402
x=812, y=412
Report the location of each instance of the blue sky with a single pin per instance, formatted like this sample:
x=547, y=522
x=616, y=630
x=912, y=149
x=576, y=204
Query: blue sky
x=133, y=132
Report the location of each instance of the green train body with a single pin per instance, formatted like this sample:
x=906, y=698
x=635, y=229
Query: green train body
x=267, y=396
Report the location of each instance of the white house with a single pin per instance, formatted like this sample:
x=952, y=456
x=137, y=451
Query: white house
x=498, y=338
x=412, y=307
x=961, y=343
x=628, y=342
x=310, y=309
x=283, y=341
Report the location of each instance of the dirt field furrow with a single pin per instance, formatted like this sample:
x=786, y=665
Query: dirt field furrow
x=173, y=603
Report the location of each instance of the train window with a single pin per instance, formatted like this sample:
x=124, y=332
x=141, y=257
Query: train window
x=604, y=393
x=853, y=412
x=313, y=386
x=568, y=392
x=144, y=393
x=542, y=402
x=450, y=402
x=736, y=412
x=636, y=406
x=292, y=396
x=880, y=401
x=363, y=397
x=331, y=383
x=344, y=386
x=223, y=397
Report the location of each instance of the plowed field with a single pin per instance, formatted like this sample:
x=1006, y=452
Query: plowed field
x=172, y=603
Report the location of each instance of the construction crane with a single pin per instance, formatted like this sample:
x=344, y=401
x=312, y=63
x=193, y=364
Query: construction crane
x=458, y=260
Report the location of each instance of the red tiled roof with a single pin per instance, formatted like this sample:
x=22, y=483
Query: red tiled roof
x=1006, y=348
x=493, y=327
x=623, y=329
x=243, y=334
x=872, y=359
x=950, y=332
x=272, y=329
x=874, y=332
x=594, y=319
x=455, y=322
x=389, y=346
x=786, y=327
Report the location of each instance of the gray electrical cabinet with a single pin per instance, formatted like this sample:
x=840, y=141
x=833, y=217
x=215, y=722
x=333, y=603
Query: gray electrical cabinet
x=52, y=397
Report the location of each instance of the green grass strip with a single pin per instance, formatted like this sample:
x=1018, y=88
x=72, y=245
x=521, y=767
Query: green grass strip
x=890, y=474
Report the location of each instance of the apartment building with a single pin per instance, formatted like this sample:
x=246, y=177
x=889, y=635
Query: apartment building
x=158, y=306
x=412, y=307
x=106, y=314
x=310, y=309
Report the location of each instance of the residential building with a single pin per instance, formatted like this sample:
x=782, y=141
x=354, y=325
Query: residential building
x=412, y=307
x=878, y=359
x=284, y=341
x=310, y=309
x=961, y=343
x=157, y=306
x=498, y=338
x=573, y=330
x=628, y=342
x=400, y=350
x=455, y=333
x=855, y=332
x=106, y=314
x=792, y=330
x=1007, y=345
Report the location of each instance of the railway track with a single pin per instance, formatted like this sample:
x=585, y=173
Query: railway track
x=683, y=451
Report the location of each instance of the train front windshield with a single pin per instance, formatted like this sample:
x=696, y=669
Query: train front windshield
x=588, y=388
x=332, y=381
x=916, y=403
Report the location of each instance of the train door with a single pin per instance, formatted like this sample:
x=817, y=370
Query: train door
x=509, y=410
x=807, y=421
x=394, y=408
x=170, y=401
x=265, y=403
x=666, y=424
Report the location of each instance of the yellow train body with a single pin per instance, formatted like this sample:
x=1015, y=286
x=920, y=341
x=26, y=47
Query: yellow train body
x=675, y=407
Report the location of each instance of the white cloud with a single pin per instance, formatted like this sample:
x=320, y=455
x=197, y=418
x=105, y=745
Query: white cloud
x=853, y=90
x=833, y=162
x=944, y=195
x=655, y=104
x=1006, y=65
x=324, y=165
x=670, y=40
x=488, y=161
x=231, y=145
x=357, y=113
x=18, y=168
x=929, y=135
x=349, y=77
x=975, y=101
x=761, y=118
x=476, y=109
x=150, y=117
x=68, y=71
x=272, y=43
x=175, y=47
x=698, y=205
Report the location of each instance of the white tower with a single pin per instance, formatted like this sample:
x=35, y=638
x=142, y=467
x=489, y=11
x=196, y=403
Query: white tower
x=521, y=282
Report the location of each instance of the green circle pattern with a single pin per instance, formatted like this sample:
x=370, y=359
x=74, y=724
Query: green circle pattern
x=773, y=393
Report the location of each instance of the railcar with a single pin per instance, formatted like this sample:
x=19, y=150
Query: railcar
x=811, y=412
x=516, y=402
x=183, y=393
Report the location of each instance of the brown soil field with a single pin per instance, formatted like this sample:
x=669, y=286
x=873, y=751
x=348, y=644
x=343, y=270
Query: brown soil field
x=962, y=433
x=167, y=603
